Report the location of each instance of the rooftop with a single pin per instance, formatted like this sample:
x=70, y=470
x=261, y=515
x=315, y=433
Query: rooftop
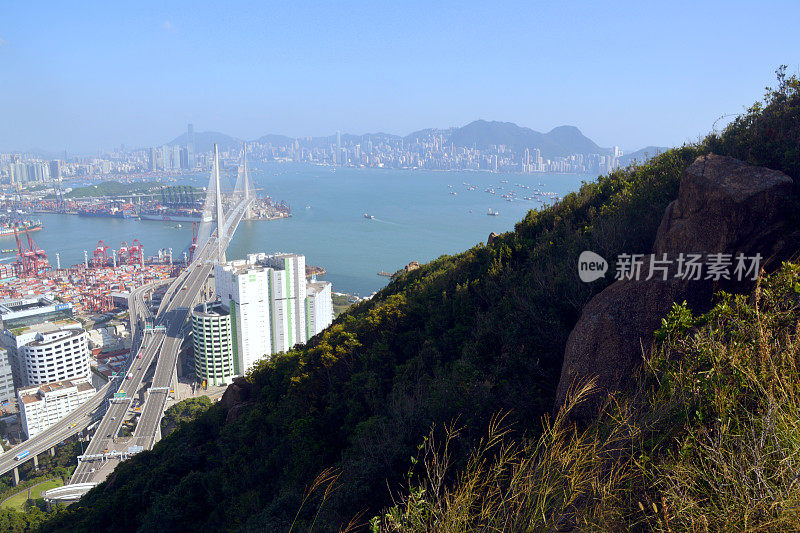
x=208, y=310
x=23, y=304
x=313, y=287
x=35, y=393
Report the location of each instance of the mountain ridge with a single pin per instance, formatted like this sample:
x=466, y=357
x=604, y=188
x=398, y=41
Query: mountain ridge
x=560, y=141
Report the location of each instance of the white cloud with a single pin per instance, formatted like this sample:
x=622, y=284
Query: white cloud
x=2, y=42
x=167, y=25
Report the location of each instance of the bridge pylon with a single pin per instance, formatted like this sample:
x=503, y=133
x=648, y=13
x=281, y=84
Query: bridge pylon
x=220, y=216
x=247, y=212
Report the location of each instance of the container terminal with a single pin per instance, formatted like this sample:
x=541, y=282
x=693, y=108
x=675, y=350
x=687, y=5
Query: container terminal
x=92, y=286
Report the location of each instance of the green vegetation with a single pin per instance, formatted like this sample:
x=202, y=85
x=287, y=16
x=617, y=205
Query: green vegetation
x=19, y=514
x=341, y=303
x=61, y=465
x=183, y=412
x=114, y=188
x=708, y=441
x=461, y=338
x=17, y=502
x=12, y=521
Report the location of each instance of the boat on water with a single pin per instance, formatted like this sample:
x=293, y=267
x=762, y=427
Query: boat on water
x=8, y=228
x=8, y=251
x=175, y=215
x=105, y=212
x=493, y=213
x=368, y=216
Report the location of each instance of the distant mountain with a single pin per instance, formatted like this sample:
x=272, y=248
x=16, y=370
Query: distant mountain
x=427, y=134
x=642, y=155
x=204, y=141
x=558, y=142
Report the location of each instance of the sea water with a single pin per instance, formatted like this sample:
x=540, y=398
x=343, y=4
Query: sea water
x=416, y=218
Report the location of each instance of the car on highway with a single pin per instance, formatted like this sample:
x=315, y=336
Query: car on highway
x=139, y=356
x=129, y=376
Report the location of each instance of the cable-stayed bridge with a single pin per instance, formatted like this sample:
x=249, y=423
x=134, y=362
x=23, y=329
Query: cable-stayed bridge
x=159, y=339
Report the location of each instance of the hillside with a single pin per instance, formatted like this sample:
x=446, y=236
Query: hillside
x=482, y=134
x=642, y=155
x=112, y=188
x=459, y=339
x=558, y=142
x=707, y=438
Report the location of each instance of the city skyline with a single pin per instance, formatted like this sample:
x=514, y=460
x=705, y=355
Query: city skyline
x=86, y=78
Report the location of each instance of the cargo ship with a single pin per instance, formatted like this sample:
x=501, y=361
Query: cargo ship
x=175, y=215
x=106, y=212
x=7, y=229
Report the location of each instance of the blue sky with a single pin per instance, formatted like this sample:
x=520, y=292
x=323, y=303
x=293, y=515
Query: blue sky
x=95, y=75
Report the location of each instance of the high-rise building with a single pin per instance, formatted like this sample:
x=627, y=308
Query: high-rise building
x=55, y=169
x=215, y=357
x=269, y=303
x=6, y=377
x=319, y=307
x=191, y=149
x=287, y=298
x=151, y=162
x=48, y=352
x=243, y=289
x=41, y=406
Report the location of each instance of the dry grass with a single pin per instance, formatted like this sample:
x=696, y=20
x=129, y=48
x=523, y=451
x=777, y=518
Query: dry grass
x=710, y=441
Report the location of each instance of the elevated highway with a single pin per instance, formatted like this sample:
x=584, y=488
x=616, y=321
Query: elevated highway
x=162, y=344
x=89, y=412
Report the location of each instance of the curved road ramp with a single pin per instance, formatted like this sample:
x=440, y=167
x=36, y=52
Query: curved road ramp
x=67, y=493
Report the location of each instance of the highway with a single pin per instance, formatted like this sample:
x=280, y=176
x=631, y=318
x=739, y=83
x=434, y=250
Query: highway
x=106, y=450
x=105, y=437
x=88, y=412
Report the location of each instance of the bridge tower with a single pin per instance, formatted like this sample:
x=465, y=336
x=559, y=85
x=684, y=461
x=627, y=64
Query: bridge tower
x=247, y=213
x=220, y=217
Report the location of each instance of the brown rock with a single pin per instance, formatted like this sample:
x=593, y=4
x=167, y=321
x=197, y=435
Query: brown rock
x=492, y=237
x=236, y=396
x=723, y=206
x=413, y=265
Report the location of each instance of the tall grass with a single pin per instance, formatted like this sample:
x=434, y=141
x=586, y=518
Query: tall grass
x=709, y=440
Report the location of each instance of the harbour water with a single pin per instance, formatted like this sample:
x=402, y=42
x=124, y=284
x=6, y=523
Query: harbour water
x=416, y=218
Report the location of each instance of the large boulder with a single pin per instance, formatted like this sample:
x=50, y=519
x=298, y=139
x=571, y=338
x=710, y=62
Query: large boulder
x=236, y=398
x=723, y=206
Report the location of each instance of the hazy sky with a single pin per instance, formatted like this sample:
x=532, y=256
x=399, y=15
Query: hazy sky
x=83, y=75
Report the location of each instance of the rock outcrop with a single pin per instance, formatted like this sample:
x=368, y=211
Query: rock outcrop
x=723, y=206
x=492, y=237
x=236, y=398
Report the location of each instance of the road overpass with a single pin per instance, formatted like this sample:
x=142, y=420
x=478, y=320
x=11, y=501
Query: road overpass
x=161, y=345
x=90, y=411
